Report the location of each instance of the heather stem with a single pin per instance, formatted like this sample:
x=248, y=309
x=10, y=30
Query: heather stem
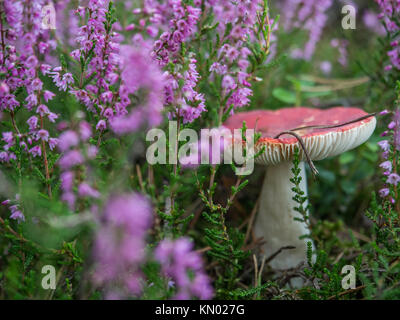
x=46, y=164
x=3, y=45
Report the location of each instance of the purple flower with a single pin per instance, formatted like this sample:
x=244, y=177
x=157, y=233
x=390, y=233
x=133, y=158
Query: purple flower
x=101, y=125
x=92, y=152
x=384, y=192
x=16, y=214
x=384, y=144
x=177, y=259
x=84, y=190
x=53, y=142
x=389, y=14
x=387, y=165
x=67, y=140
x=31, y=62
x=326, y=67
x=67, y=180
x=43, y=135
x=37, y=84
x=373, y=23
x=52, y=117
x=4, y=156
x=48, y=95
x=140, y=73
x=393, y=179
x=309, y=15
x=42, y=110
x=70, y=159
x=32, y=122
x=6, y=202
x=70, y=199
x=36, y=151
x=85, y=130
x=8, y=138
x=119, y=248
x=4, y=89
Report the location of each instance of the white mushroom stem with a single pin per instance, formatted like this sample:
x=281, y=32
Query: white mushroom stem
x=275, y=221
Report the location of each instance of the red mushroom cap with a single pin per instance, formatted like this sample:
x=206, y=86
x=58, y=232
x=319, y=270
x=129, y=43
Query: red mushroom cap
x=319, y=142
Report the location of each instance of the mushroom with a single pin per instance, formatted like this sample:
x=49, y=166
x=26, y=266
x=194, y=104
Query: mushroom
x=275, y=220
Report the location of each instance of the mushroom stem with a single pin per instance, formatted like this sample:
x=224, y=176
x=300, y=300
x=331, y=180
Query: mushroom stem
x=275, y=221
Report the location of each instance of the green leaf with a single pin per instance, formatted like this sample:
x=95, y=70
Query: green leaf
x=284, y=95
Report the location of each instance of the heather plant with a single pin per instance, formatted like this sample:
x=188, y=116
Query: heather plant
x=78, y=193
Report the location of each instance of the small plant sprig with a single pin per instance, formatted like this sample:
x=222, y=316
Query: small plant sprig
x=299, y=197
x=226, y=244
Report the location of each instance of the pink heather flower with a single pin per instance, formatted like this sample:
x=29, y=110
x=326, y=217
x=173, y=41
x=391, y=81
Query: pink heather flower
x=119, y=248
x=6, y=202
x=389, y=14
x=53, y=142
x=309, y=15
x=70, y=199
x=106, y=96
x=92, y=152
x=52, y=117
x=385, y=155
x=384, y=144
x=371, y=21
x=139, y=74
x=177, y=258
x=207, y=150
x=31, y=62
x=393, y=179
x=48, y=95
x=4, y=89
x=42, y=110
x=387, y=165
x=388, y=67
x=152, y=31
x=8, y=137
x=32, y=122
x=43, y=135
x=108, y=113
x=67, y=140
x=84, y=190
x=218, y=68
x=70, y=159
x=36, y=151
x=384, y=192
x=85, y=130
x=67, y=180
x=4, y=156
x=76, y=54
x=37, y=84
x=232, y=54
x=16, y=214
x=68, y=78
x=228, y=83
x=101, y=125
x=31, y=101
x=45, y=68
x=326, y=67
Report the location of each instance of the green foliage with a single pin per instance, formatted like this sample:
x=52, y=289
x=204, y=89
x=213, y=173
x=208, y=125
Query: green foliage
x=299, y=195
